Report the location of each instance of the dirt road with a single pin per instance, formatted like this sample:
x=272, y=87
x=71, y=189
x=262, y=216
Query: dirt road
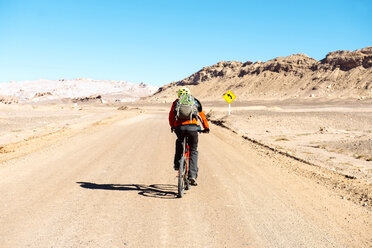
x=114, y=186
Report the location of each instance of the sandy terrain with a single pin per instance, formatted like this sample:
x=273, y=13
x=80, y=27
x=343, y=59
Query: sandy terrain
x=26, y=128
x=102, y=177
x=333, y=135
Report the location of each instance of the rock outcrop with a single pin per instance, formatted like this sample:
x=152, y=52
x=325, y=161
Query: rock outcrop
x=8, y=100
x=97, y=98
x=41, y=94
x=345, y=74
x=347, y=60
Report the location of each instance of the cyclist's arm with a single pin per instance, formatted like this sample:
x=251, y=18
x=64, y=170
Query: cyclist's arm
x=171, y=115
x=204, y=120
x=202, y=116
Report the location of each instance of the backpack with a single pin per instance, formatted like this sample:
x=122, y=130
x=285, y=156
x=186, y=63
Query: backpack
x=185, y=108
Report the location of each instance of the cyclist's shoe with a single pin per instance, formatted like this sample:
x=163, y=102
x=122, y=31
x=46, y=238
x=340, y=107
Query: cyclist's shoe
x=193, y=181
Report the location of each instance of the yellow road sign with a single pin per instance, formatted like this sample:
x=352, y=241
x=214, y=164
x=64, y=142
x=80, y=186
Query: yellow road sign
x=229, y=97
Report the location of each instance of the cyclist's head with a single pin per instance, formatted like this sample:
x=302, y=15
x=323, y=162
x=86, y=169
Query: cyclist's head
x=183, y=90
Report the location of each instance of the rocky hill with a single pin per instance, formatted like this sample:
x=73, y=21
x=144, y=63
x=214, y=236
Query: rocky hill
x=341, y=74
x=76, y=90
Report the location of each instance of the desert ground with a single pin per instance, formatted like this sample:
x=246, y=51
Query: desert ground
x=272, y=174
x=335, y=135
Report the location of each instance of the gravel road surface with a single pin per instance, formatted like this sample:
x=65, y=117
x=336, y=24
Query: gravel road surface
x=114, y=186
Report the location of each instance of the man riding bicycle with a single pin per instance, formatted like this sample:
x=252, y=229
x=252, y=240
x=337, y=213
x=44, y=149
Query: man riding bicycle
x=183, y=121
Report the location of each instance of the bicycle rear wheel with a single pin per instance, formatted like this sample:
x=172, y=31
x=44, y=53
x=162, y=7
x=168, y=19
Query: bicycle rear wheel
x=181, y=177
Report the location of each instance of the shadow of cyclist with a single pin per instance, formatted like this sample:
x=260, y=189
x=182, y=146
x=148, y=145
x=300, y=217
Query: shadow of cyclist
x=164, y=191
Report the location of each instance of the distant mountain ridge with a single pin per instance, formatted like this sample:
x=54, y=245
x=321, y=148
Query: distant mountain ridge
x=341, y=74
x=80, y=89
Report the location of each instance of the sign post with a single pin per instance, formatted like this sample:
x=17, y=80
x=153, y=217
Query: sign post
x=229, y=97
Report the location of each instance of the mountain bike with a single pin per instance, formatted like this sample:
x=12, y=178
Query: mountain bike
x=183, y=171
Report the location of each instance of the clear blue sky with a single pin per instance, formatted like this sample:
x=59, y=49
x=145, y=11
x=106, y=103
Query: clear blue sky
x=158, y=42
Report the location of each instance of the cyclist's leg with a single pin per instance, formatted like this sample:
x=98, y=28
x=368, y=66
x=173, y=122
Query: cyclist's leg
x=179, y=148
x=192, y=134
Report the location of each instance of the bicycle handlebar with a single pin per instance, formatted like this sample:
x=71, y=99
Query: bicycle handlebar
x=202, y=131
x=199, y=130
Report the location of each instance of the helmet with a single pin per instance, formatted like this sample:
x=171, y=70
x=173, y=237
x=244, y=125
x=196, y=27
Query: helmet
x=182, y=91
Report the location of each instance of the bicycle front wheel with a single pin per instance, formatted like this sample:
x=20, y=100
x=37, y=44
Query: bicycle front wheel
x=181, y=176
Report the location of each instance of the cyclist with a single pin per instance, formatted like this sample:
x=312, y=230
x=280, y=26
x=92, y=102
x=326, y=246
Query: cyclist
x=187, y=128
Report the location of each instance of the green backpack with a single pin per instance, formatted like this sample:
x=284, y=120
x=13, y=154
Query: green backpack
x=185, y=108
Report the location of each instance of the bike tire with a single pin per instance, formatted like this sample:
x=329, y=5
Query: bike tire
x=181, y=181
x=187, y=187
x=185, y=177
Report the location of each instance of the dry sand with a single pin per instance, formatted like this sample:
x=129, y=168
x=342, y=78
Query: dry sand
x=337, y=136
x=107, y=181
x=27, y=128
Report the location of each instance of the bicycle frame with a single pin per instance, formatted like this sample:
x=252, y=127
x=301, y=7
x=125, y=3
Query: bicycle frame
x=183, y=171
x=183, y=182
x=187, y=153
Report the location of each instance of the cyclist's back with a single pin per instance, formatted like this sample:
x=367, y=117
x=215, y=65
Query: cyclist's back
x=187, y=127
